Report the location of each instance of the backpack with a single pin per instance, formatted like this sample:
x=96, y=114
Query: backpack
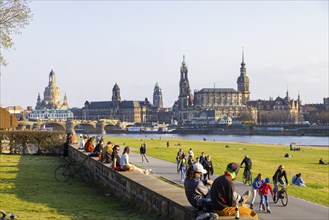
x=248, y=163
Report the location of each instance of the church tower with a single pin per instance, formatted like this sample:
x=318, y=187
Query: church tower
x=116, y=98
x=185, y=96
x=65, y=104
x=243, y=82
x=38, y=106
x=157, y=96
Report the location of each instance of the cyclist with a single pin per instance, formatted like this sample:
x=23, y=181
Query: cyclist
x=277, y=178
x=247, y=167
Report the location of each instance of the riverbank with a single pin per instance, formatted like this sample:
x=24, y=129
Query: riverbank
x=258, y=139
x=266, y=158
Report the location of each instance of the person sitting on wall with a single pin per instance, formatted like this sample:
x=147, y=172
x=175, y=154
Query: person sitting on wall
x=124, y=160
x=115, y=158
x=224, y=199
x=89, y=147
x=197, y=190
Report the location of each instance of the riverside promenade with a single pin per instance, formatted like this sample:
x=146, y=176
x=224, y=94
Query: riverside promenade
x=296, y=208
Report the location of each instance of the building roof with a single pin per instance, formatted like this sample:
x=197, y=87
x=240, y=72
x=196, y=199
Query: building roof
x=101, y=104
x=217, y=90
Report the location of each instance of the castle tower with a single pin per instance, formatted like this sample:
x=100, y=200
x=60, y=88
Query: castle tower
x=157, y=96
x=185, y=96
x=116, y=98
x=243, y=82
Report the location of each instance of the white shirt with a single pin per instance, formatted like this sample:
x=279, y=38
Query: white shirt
x=124, y=160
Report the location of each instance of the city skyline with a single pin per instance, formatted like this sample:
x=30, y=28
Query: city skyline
x=144, y=42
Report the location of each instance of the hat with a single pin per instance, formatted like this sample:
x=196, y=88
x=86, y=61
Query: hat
x=233, y=169
x=199, y=168
x=267, y=180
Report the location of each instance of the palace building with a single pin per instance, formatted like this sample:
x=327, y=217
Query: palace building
x=221, y=101
x=126, y=111
x=52, y=96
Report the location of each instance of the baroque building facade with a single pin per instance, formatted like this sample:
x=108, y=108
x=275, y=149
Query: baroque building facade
x=52, y=96
x=278, y=111
x=126, y=111
x=218, y=102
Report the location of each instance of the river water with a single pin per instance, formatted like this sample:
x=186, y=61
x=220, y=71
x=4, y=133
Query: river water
x=277, y=140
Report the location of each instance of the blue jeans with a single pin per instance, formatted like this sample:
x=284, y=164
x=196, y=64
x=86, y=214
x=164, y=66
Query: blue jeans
x=276, y=187
x=182, y=172
x=204, y=204
x=262, y=197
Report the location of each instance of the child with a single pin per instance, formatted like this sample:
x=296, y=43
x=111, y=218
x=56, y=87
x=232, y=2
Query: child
x=263, y=192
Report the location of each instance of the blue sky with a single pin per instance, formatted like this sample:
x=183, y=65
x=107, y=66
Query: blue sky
x=93, y=45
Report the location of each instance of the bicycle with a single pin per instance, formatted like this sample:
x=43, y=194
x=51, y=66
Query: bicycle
x=247, y=177
x=281, y=194
x=67, y=171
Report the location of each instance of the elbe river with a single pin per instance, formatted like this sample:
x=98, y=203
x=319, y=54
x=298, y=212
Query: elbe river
x=277, y=140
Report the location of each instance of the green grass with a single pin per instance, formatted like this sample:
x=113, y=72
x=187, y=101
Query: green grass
x=28, y=188
x=266, y=158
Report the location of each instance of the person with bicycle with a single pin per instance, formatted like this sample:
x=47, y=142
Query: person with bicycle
x=277, y=178
x=247, y=167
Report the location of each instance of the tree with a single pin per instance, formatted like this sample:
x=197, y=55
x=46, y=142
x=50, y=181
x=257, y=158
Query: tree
x=14, y=16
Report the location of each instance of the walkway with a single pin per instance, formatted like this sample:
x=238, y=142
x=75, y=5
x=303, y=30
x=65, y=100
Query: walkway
x=296, y=208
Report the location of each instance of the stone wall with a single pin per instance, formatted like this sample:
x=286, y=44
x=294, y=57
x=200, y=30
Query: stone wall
x=147, y=192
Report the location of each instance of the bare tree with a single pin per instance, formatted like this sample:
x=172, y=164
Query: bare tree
x=14, y=16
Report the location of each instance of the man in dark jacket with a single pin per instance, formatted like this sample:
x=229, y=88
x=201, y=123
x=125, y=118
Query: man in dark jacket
x=223, y=195
x=142, y=151
x=277, y=178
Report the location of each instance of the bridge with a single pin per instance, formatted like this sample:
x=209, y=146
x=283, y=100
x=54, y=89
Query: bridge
x=101, y=126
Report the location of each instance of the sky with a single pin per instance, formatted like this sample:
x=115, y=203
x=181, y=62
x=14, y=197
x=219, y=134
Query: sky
x=91, y=45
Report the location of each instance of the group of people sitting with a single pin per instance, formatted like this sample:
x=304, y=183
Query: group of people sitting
x=216, y=196
x=108, y=153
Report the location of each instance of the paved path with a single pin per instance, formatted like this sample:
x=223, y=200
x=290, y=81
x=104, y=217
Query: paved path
x=296, y=208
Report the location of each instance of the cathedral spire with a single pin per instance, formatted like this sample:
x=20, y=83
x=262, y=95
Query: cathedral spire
x=242, y=64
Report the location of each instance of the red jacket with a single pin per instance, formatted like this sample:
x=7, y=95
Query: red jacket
x=263, y=189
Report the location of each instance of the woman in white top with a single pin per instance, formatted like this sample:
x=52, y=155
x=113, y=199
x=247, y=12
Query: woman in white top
x=124, y=160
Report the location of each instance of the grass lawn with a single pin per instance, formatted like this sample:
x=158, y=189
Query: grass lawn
x=28, y=188
x=265, y=159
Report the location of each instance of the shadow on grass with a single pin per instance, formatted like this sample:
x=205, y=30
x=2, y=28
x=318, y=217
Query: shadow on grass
x=39, y=196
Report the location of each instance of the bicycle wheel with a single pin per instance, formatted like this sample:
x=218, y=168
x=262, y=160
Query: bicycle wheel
x=62, y=173
x=284, y=197
x=87, y=176
x=250, y=179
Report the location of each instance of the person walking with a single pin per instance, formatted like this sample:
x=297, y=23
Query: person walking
x=142, y=151
x=178, y=158
x=182, y=167
x=263, y=191
x=207, y=164
x=258, y=181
